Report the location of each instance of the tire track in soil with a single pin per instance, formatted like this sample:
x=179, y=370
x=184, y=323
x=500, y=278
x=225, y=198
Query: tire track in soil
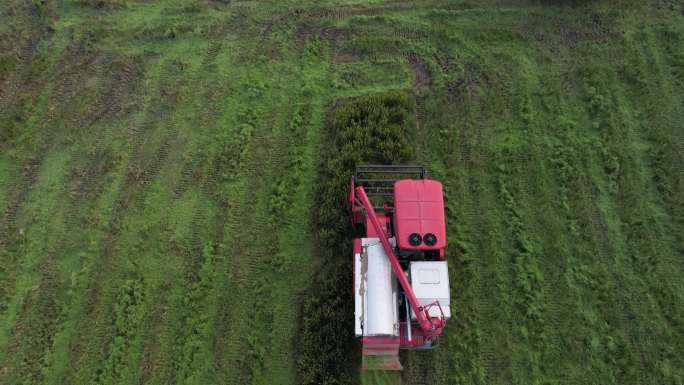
x=471, y=159
x=98, y=297
x=245, y=266
x=553, y=287
x=21, y=185
x=24, y=55
x=598, y=225
x=241, y=222
x=340, y=13
x=555, y=316
x=249, y=261
x=48, y=313
x=485, y=306
x=524, y=188
x=96, y=161
x=639, y=340
x=334, y=37
x=140, y=175
x=152, y=355
x=213, y=95
x=34, y=328
x=190, y=174
x=417, y=372
x=68, y=75
x=149, y=362
x=10, y=88
x=422, y=81
x=139, y=172
x=280, y=22
x=193, y=262
x=282, y=149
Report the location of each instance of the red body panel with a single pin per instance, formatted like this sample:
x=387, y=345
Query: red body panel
x=419, y=208
x=384, y=222
x=357, y=246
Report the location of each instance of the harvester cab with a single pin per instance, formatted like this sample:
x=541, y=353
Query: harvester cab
x=401, y=281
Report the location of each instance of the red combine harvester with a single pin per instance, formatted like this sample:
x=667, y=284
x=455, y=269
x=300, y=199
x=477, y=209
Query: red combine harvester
x=402, y=215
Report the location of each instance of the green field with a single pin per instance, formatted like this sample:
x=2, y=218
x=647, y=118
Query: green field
x=173, y=177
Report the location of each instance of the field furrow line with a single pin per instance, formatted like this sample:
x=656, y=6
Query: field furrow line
x=151, y=361
x=213, y=51
x=34, y=328
x=19, y=79
x=29, y=170
x=51, y=285
x=99, y=291
x=249, y=261
x=420, y=111
x=93, y=159
x=486, y=306
x=625, y=316
x=81, y=179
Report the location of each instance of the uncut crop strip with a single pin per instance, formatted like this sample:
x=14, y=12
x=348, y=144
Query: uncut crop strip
x=325, y=352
